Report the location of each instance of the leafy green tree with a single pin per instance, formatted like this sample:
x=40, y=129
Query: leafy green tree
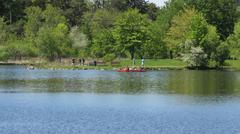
x=53, y=42
x=220, y=13
x=211, y=41
x=3, y=54
x=179, y=31
x=109, y=58
x=158, y=29
x=152, y=11
x=73, y=10
x=34, y=21
x=122, y=5
x=98, y=24
x=18, y=48
x=87, y=26
x=131, y=32
x=102, y=20
x=103, y=44
x=190, y=25
x=233, y=42
x=3, y=31
x=222, y=54
x=13, y=10
x=53, y=16
x=78, y=40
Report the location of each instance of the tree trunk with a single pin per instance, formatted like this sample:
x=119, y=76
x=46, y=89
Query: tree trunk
x=132, y=51
x=10, y=15
x=171, y=55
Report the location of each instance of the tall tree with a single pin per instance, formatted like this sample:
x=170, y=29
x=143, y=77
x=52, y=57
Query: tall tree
x=34, y=20
x=131, y=32
x=3, y=31
x=220, y=13
x=53, y=42
x=53, y=16
x=233, y=42
x=190, y=29
x=159, y=28
x=13, y=10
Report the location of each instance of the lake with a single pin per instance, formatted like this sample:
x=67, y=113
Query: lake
x=108, y=102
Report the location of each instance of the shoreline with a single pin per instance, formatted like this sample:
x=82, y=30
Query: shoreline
x=58, y=66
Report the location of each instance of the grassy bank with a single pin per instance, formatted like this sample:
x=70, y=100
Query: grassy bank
x=232, y=64
x=157, y=64
x=151, y=64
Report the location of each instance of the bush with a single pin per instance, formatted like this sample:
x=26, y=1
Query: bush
x=196, y=58
x=109, y=57
x=3, y=54
x=222, y=54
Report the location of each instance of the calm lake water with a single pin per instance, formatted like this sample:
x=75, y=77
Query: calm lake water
x=108, y=102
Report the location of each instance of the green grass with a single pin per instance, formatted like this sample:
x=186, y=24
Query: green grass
x=232, y=64
x=149, y=64
x=155, y=63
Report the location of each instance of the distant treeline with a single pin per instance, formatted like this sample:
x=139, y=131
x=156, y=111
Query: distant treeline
x=197, y=31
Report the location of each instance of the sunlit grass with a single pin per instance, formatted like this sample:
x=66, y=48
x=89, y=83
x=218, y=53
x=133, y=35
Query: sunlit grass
x=234, y=64
x=155, y=63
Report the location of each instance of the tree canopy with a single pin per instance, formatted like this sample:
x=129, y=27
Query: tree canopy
x=107, y=29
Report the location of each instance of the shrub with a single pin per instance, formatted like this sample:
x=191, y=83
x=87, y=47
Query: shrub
x=196, y=58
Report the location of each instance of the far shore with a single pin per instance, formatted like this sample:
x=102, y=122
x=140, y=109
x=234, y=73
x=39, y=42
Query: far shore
x=150, y=64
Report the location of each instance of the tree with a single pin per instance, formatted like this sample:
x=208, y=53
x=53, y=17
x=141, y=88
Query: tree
x=98, y=24
x=211, y=41
x=131, y=32
x=3, y=54
x=73, y=10
x=78, y=40
x=13, y=10
x=220, y=13
x=122, y=5
x=152, y=11
x=196, y=58
x=179, y=31
x=3, y=31
x=157, y=47
x=34, y=21
x=53, y=42
x=103, y=44
x=222, y=54
x=103, y=19
x=233, y=42
x=53, y=16
x=17, y=48
x=191, y=26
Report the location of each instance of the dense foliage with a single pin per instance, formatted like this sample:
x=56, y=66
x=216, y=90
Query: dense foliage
x=196, y=31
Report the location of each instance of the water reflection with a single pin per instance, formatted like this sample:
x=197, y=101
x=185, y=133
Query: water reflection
x=203, y=82
x=18, y=79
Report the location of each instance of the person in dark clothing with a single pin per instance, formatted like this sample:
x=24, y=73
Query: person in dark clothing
x=134, y=61
x=80, y=61
x=83, y=61
x=73, y=61
x=95, y=63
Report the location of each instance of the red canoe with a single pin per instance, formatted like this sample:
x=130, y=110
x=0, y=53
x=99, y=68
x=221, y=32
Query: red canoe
x=132, y=70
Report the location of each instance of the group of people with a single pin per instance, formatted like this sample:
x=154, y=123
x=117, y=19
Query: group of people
x=135, y=68
x=142, y=62
x=81, y=61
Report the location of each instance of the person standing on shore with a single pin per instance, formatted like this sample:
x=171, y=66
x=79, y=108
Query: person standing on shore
x=143, y=60
x=80, y=61
x=83, y=61
x=134, y=61
x=73, y=61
